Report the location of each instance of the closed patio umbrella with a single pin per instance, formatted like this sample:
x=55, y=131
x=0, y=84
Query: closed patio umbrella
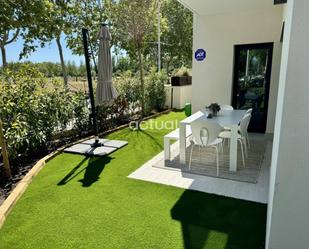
x=105, y=89
x=105, y=93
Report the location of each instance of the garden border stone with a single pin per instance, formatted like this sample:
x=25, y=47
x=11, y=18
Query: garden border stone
x=21, y=187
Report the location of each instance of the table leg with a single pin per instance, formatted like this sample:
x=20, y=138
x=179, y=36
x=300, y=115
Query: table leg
x=233, y=148
x=182, y=143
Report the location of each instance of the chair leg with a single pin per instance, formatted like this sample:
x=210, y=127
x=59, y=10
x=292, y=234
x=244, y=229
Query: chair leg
x=167, y=149
x=217, y=150
x=242, y=152
x=190, y=160
x=222, y=152
x=248, y=140
x=245, y=145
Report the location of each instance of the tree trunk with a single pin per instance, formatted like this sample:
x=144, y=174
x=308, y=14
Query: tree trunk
x=141, y=69
x=64, y=71
x=5, y=41
x=3, y=55
x=5, y=156
x=168, y=65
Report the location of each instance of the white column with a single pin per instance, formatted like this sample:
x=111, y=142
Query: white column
x=288, y=219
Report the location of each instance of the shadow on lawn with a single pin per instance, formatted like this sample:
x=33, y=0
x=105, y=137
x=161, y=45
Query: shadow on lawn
x=129, y=134
x=211, y=221
x=92, y=173
x=152, y=138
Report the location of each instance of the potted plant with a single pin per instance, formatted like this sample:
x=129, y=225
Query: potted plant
x=182, y=77
x=213, y=109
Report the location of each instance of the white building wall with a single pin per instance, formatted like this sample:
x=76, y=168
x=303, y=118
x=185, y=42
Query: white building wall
x=288, y=219
x=181, y=96
x=168, y=93
x=217, y=34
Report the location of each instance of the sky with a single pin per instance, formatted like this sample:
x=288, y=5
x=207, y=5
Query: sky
x=48, y=53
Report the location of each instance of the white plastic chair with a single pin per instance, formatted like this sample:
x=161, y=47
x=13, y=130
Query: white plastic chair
x=249, y=111
x=241, y=137
x=205, y=134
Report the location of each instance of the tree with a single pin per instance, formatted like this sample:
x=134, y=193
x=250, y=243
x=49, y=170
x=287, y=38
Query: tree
x=87, y=14
x=6, y=163
x=68, y=17
x=56, y=24
x=72, y=69
x=177, y=47
x=132, y=23
x=18, y=18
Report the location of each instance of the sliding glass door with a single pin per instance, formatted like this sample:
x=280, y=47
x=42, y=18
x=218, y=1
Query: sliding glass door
x=252, y=74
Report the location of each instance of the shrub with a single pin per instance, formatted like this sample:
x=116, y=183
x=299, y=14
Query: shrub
x=81, y=112
x=155, y=92
x=34, y=111
x=128, y=86
x=113, y=114
x=183, y=71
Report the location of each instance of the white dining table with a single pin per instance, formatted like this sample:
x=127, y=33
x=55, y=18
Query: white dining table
x=225, y=118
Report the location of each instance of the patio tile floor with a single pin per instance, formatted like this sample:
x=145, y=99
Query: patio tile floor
x=241, y=190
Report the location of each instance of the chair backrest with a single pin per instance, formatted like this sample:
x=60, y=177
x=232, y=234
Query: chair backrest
x=244, y=123
x=204, y=132
x=226, y=107
x=249, y=111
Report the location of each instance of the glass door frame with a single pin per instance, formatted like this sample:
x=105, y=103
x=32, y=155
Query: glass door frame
x=237, y=49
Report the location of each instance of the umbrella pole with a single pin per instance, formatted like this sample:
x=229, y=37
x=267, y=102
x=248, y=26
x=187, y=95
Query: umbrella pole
x=93, y=115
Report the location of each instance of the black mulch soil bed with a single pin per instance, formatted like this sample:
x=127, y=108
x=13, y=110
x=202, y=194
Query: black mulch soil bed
x=24, y=163
x=7, y=185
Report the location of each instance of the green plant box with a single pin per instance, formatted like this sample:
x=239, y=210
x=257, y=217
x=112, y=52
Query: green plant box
x=188, y=109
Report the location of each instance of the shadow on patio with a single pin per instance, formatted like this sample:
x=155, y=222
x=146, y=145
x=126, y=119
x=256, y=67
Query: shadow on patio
x=210, y=221
x=94, y=168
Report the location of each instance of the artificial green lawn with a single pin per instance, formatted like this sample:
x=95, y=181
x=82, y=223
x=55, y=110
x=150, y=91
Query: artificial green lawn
x=76, y=202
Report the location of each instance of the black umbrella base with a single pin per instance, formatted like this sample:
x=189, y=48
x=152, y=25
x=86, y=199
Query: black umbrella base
x=105, y=147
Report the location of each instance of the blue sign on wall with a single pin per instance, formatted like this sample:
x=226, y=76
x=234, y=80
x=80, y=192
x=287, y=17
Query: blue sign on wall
x=200, y=54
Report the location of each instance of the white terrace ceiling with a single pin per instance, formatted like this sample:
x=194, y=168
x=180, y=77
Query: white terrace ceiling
x=209, y=7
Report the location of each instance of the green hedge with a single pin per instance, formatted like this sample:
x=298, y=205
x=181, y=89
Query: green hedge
x=155, y=92
x=36, y=111
x=128, y=85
